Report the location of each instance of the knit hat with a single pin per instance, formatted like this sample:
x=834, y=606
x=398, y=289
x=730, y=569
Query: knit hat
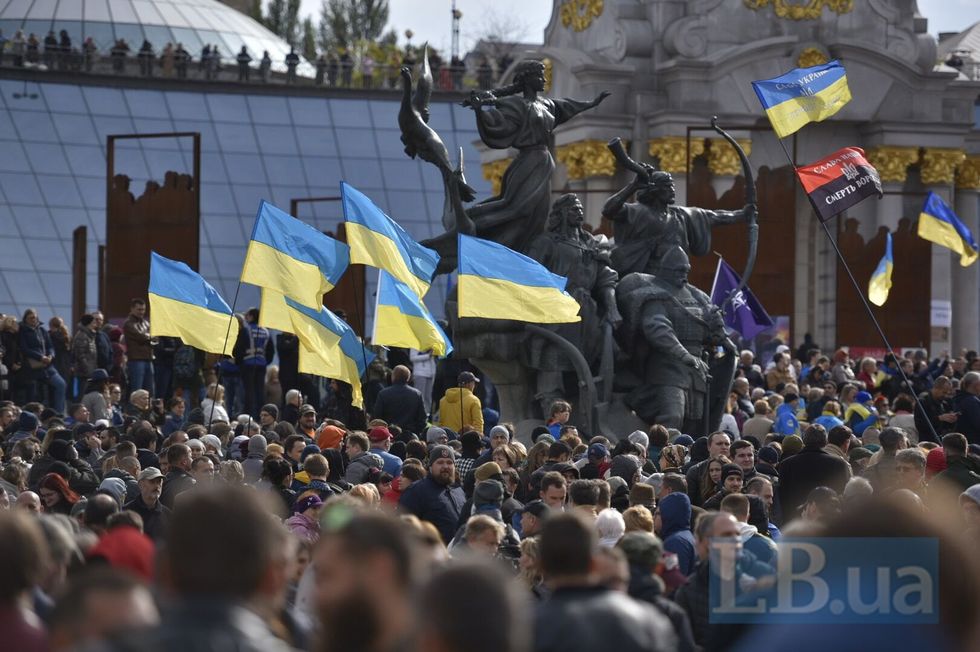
x=329, y=437
x=862, y=398
x=792, y=444
x=488, y=492
x=935, y=462
x=58, y=449
x=439, y=452
x=27, y=421
x=256, y=444
x=499, y=430
x=61, y=469
x=487, y=471
x=308, y=450
x=769, y=455
x=434, y=434
x=309, y=502
x=684, y=440
x=730, y=469
x=115, y=487
x=212, y=441
x=272, y=409
x=625, y=467
x=861, y=453
x=641, y=438
x=98, y=375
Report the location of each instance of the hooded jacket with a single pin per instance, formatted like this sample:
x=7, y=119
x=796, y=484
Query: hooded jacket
x=762, y=547
x=675, y=517
x=450, y=411
x=252, y=465
x=306, y=528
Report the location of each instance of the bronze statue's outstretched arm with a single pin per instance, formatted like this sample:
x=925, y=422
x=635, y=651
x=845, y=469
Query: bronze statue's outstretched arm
x=614, y=205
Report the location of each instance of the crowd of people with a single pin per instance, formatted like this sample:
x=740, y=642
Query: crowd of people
x=147, y=505
x=335, y=68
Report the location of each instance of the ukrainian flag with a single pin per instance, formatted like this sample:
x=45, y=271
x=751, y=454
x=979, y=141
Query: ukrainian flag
x=939, y=224
x=376, y=240
x=803, y=95
x=401, y=319
x=881, y=280
x=184, y=305
x=292, y=258
x=329, y=347
x=498, y=283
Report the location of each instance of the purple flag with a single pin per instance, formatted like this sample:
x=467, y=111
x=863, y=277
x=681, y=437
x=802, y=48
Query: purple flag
x=743, y=313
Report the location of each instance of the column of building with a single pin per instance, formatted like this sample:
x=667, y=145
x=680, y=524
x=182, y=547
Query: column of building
x=966, y=280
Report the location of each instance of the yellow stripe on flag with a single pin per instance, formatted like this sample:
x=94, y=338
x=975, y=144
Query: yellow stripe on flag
x=195, y=325
x=270, y=268
x=498, y=299
x=368, y=247
x=789, y=116
x=945, y=234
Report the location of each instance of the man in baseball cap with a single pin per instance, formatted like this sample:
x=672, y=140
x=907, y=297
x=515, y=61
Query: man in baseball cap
x=307, y=421
x=148, y=505
x=380, y=438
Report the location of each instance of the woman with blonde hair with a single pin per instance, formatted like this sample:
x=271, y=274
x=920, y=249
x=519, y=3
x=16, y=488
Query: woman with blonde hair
x=530, y=574
x=213, y=405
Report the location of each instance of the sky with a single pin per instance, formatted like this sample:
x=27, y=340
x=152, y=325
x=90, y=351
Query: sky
x=430, y=19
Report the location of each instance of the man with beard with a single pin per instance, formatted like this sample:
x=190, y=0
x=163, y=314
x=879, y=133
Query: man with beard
x=365, y=575
x=434, y=498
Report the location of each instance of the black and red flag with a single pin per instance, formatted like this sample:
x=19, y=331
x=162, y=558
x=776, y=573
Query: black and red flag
x=839, y=181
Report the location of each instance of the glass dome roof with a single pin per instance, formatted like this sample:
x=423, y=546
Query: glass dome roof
x=194, y=23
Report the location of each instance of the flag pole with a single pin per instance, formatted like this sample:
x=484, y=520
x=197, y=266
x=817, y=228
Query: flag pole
x=217, y=382
x=857, y=288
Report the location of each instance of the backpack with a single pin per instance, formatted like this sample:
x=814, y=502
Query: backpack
x=185, y=362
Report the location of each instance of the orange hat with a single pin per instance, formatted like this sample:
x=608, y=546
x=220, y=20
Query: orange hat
x=329, y=437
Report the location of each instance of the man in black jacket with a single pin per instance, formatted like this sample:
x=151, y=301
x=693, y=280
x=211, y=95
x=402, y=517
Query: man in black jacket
x=147, y=504
x=581, y=615
x=401, y=404
x=967, y=406
x=178, y=478
x=811, y=467
x=938, y=411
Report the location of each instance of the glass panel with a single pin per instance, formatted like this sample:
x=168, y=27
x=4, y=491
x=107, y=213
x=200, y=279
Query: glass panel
x=97, y=10
x=209, y=141
x=20, y=188
x=64, y=99
x=131, y=163
x=236, y=137
x=58, y=289
x=76, y=129
x=216, y=199
x=17, y=9
x=282, y=196
x=39, y=28
x=285, y=170
x=213, y=166
x=247, y=198
x=363, y=173
x=189, y=39
x=225, y=230
x=316, y=141
x=401, y=175
x=122, y=12
x=101, y=33
x=86, y=161
x=351, y=113
x=276, y=140
x=233, y=44
x=268, y=110
x=106, y=126
x=68, y=10
x=93, y=194
x=42, y=10
x=356, y=142
x=159, y=36
x=74, y=29
x=385, y=113
x=36, y=221
x=390, y=145
x=52, y=254
x=189, y=11
x=209, y=37
x=59, y=191
x=309, y=111
x=67, y=220
x=210, y=18
x=147, y=104
x=47, y=158
x=228, y=108
x=161, y=162
x=26, y=288
x=148, y=126
x=147, y=13
x=171, y=16
x=132, y=33
x=13, y=255
x=323, y=171
x=14, y=157
x=245, y=168
x=35, y=125
x=409, y=210
x=10, y=27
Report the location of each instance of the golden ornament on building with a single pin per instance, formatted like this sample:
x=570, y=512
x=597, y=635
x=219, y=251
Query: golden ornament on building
x=968, y=174
x=671, y=151
x=548, y=67
x=494, y=173
x=807, y=10
x=586, y=158
x=723, y=160
x=892, y=161
x=578, y=14
x=939, y=165
x=810, y=57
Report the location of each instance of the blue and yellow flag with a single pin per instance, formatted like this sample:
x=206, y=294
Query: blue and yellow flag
x=377, y=240
x=401, y=319
x=329, y=347
x=292, y=258
x=184, y=305
x=939, y=224
x=803, y=95
x=881, y=280
x=498, y=283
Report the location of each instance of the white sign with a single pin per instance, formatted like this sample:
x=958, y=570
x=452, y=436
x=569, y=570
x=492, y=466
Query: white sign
x=941, y=313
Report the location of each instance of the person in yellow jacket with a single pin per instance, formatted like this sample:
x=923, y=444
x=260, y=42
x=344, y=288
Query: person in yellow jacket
x=460, y=408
